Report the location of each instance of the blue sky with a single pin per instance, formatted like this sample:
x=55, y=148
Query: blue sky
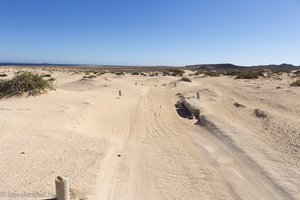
x=150, y=32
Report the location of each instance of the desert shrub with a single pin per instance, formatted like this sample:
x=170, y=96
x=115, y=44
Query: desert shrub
x=89, y=77
x=232, y=73
x=297, y=73
x=198, y=73
x=213, y=74
x=100, y=73
x=260, y=113
x=51, y=79
x=135, y=73
x=248, y=75
x=46, y=75
x=176, y=71
x=295, y=83
x=281, y=71
x=173, y=72
x=25, y=82
x=3, y=75
x=119, y=73
x=185, y=79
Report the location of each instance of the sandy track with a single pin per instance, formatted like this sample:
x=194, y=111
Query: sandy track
x=164, y=156
x=138, y=147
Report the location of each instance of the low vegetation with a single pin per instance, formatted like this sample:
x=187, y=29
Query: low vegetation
x=3, y=75
x=89, y=77
x=259, y=113
x=119, y=73
x=185, y=79
x=248, y=75
x=295, y=83
x=135, y=73
x=46, y=75
x=297, y=73
x=213, y=74
x=173, y=72
x=25, y=82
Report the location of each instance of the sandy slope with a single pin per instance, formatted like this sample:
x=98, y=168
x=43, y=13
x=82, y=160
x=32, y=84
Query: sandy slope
x=137, y=146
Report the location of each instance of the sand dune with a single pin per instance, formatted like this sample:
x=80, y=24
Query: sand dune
x=137, y=146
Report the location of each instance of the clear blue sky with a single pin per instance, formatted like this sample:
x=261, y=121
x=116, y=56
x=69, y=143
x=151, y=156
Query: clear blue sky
x=150, y=32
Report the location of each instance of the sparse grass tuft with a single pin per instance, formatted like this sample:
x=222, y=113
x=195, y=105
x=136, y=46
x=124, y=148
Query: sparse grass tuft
x=295, y=83
x=25, y=82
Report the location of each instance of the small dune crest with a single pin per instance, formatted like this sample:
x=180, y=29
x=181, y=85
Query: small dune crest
x=82, y=85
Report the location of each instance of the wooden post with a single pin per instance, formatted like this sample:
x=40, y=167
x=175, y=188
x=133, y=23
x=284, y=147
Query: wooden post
x=135, y=83
x=175, y=84
x=62, y=188
x=198, y=95
x=120, y=93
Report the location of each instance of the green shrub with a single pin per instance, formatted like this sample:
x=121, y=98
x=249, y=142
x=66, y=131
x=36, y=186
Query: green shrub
x=25, y=82
x=295, y=83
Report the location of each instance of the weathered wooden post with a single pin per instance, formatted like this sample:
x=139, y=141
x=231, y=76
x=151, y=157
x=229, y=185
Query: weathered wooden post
x=135, y=83
x=198, y=95
x=175, y=84
x=120, y=93
x=62, y=188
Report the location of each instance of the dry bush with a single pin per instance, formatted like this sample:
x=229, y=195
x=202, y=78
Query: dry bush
x=297, y=73
x=260, y=113
x=295, y=83
x=213, y=74
x=89, y=77
x=135, y=73
x=173, y=72
x=119, y=73
x=185, y=79
x=25, y=82
x=248, y=75
x=46, y=75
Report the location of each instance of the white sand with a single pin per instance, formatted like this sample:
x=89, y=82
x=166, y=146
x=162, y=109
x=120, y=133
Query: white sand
x=80, y=129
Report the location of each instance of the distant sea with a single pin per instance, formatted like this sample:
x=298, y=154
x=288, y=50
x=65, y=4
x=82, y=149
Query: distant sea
x=36, y=64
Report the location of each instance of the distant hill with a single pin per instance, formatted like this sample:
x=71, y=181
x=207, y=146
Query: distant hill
x=232, y=67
